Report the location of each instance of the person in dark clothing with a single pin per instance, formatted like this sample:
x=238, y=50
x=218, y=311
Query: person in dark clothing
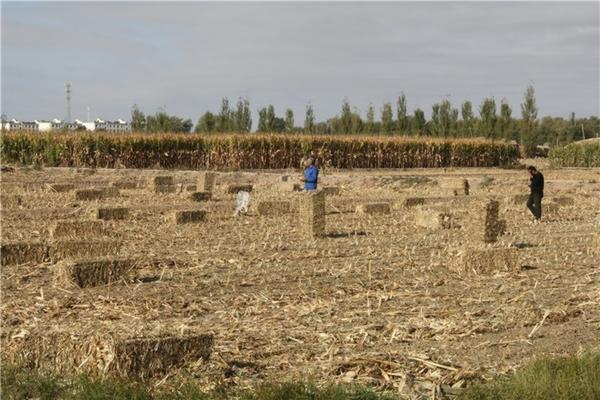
x=536, y=184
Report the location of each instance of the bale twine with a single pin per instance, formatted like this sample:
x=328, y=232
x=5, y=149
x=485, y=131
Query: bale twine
x=312, y=214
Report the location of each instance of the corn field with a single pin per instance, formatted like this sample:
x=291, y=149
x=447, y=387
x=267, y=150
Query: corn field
x=249, y=151
x=578, y=154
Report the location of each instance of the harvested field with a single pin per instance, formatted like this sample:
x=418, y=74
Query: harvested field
x=61, y=187
x=78, y=229
x=322, y=291
x=374, y=208
x=162, y=189
x=274, y=207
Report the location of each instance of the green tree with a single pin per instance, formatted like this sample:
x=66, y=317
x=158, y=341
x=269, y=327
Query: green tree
x=488, y=118
x=529, y=113
x=271, y=118
x=370, y=124
x=387, y=119
x=402, y=115
x=345, y=119
x=356, y=125
x=289, y=120
x=262, y=120
x=207, y=123
x=505, y=122
x=441, y=118
x=454, y=122
x=224, y=119
x=309, y=120
x=242, y=116
x=138, y=119
x=418, y=122
x=468, y=120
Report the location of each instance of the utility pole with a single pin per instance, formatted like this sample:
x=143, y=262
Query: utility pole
x=68, y=91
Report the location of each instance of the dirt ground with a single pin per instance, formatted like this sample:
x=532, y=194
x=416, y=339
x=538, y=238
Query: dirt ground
x=373, y=302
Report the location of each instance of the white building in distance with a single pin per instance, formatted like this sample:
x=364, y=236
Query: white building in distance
x=118, y=126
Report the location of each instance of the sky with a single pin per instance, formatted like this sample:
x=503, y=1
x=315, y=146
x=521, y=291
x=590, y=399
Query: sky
x=185, y=57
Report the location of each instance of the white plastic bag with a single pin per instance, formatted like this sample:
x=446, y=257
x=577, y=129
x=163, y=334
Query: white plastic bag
x=242, y=203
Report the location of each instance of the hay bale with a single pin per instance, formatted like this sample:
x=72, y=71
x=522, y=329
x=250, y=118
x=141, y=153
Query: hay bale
x=201, y=196
x=80, y=249
x=520, y=199
x=125, y=185
x=23, y=252
x=206, y=181
x=112, y=213
x=77, y=228
x=331, y=190
x=191, y=188
x=10, y=201
x=433, y=219
x=86, y=171
x=492, y=226
x=466, y=187
x=234, y=189
x=189, y=216
x=272, y=208
x=61, y=187
x=96, y=194
x=285, y=178
x=131, y=349
x=564, y=201
x=374, y=208
x=486, y=261
x=162, y=189
x=164, y=180
x=412, y=202
x=312, y=214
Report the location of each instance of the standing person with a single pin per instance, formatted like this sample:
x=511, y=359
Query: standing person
x=311, y=175
x=536, y=184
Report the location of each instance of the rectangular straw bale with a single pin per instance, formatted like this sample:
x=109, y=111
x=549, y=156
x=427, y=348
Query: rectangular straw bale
x=77, y=228
x=189, y=216
x=486, y=261
x=163, y=180
x=96, y=194
x=125, y=185
x=331, y=190
x=270, y=208
x=191, y=188
x=201, y=196
x=239, y=188
x=81, y=249
x=564, y=201
x=413, y=201
x=312, y=214
x=23, y=252
x=61, y=187
x=206, y=181
x=133, y=350
x=112, y=213
x=10, y=200
x=285, y=178
x=374, y=208
x=433, y=219
x=162, y=189
x=492, y=226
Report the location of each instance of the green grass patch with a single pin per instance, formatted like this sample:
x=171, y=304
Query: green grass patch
x=568, y=378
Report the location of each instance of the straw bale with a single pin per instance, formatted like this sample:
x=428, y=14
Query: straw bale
x=312, y=214
x=564, y=201
x=189, y=216
x=239, y=188
x=486, y=260
x=96, y=194
x=86, y=171
x=164, y=180
x=492, y=226
x=80, y=249
x=112, y=213
x=61, y=187
x=433, y=219
x=285, y=178
x=270, y=208
x=520, y=199
x=10, y=201
x=331, y=190
x=374, y=208
x=23, y=252
x=206, y=181
x=165, y=188
x=466, y=187
x=78, y=228
x=126, y=185
x=132, y=349
x=201, y=196
x=413, y=201
x=191, y=188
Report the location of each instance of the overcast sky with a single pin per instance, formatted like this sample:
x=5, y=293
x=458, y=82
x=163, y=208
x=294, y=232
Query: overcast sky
x=187, y=56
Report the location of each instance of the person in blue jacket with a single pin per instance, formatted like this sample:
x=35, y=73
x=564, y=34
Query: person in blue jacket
x=311, y=175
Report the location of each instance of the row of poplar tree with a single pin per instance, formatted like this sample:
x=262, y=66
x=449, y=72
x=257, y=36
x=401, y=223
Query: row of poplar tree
x=491, y=120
